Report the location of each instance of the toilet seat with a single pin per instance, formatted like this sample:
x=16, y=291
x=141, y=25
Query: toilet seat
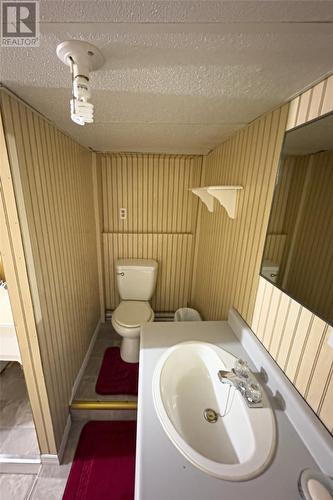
x=132, y=313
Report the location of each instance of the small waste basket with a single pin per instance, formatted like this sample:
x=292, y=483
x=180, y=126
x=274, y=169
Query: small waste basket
x=187, y=314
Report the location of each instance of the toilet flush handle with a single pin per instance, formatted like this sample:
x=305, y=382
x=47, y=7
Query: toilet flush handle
x=121, y=274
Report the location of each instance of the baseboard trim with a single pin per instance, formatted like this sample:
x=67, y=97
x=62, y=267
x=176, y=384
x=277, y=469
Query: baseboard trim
x=84, y=362
x=64, y=439
x=312, y=432
x=56, y=459
x=13, y=465
x=158, y=316
x=162, y=316
x=50, y=459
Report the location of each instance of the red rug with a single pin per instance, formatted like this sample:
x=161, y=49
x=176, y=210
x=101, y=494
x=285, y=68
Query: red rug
x=116, y=376
x=104, y=462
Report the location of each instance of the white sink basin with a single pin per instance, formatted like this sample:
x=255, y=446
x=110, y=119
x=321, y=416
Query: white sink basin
x=240, y=444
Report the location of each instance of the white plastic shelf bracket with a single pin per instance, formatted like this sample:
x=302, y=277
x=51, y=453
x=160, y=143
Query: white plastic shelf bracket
x=226, y=196
x=205, y=197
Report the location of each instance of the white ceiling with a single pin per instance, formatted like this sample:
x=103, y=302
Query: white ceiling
x=180, y=76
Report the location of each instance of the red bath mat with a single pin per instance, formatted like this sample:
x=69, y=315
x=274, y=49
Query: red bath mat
x=104, y=464
x=116, y=376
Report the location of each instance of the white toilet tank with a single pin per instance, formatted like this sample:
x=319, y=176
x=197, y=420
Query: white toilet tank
x=136, y=278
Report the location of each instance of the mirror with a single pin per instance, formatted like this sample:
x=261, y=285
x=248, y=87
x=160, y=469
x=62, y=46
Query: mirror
x=298, y=253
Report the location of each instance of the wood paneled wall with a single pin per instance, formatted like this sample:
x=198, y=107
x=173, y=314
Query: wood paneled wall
x=315, y=102
x=19, y=289
x=274, y=247
x=230, y=251
x=161, y=220
x=173, y=252
x=298, y=341
x=55, y=174
x=294, y=170
x=287, y=192
x=310, y=273
x=2, y=272
x=287, y=197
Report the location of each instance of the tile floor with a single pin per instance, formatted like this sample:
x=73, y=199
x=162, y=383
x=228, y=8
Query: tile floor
x=16, y=486
x=17, y=429
x=107, y=337
x=49, y=483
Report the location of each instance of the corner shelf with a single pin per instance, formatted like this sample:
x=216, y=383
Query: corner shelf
x=226, y=196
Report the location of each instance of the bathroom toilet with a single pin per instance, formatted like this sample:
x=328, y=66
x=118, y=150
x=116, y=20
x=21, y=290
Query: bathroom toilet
x=136, y=281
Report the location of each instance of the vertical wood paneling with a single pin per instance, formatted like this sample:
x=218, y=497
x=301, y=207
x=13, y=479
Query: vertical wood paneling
x=303, y=210
x=325, y=407
x=19, y=288
x=298, y=338
x=299, y=345
x=229, y=251
x=161, y=220
x=295, y=169
x=2, y=272
x=153, y=188
x=274, y=247
x=174, y=253
x=311, y=250
x=281, y=192
x=98, y=201
x=56, y=177
x=311, y=104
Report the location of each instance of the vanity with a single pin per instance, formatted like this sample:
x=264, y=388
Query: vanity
x=164, y=471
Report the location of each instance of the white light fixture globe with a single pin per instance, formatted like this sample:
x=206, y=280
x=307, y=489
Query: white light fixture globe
x=82, y=57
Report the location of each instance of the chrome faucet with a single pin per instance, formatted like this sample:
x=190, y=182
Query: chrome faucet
x=251, y=391
x=230, y=378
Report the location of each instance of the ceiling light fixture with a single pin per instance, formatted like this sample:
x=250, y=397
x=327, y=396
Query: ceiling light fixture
x=82, y=58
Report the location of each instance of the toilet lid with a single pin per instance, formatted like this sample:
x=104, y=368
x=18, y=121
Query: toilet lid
x=132, y=313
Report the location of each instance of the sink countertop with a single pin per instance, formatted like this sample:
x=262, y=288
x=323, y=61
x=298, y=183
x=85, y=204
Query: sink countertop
x=163, y=473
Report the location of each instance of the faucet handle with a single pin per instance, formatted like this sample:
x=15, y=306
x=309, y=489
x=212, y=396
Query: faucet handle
x=253, y=393
x=250, y=391
x=241, y=368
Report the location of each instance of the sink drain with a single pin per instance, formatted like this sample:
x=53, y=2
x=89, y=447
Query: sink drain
x=210, y=415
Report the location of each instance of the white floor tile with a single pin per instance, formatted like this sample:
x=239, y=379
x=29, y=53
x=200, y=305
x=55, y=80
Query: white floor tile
x=48, y=488
x=19, y=441
x=15, y=486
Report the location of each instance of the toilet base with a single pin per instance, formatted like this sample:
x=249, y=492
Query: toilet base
x=129, y=349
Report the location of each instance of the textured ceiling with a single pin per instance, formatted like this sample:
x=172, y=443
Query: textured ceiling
x=180, y=76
